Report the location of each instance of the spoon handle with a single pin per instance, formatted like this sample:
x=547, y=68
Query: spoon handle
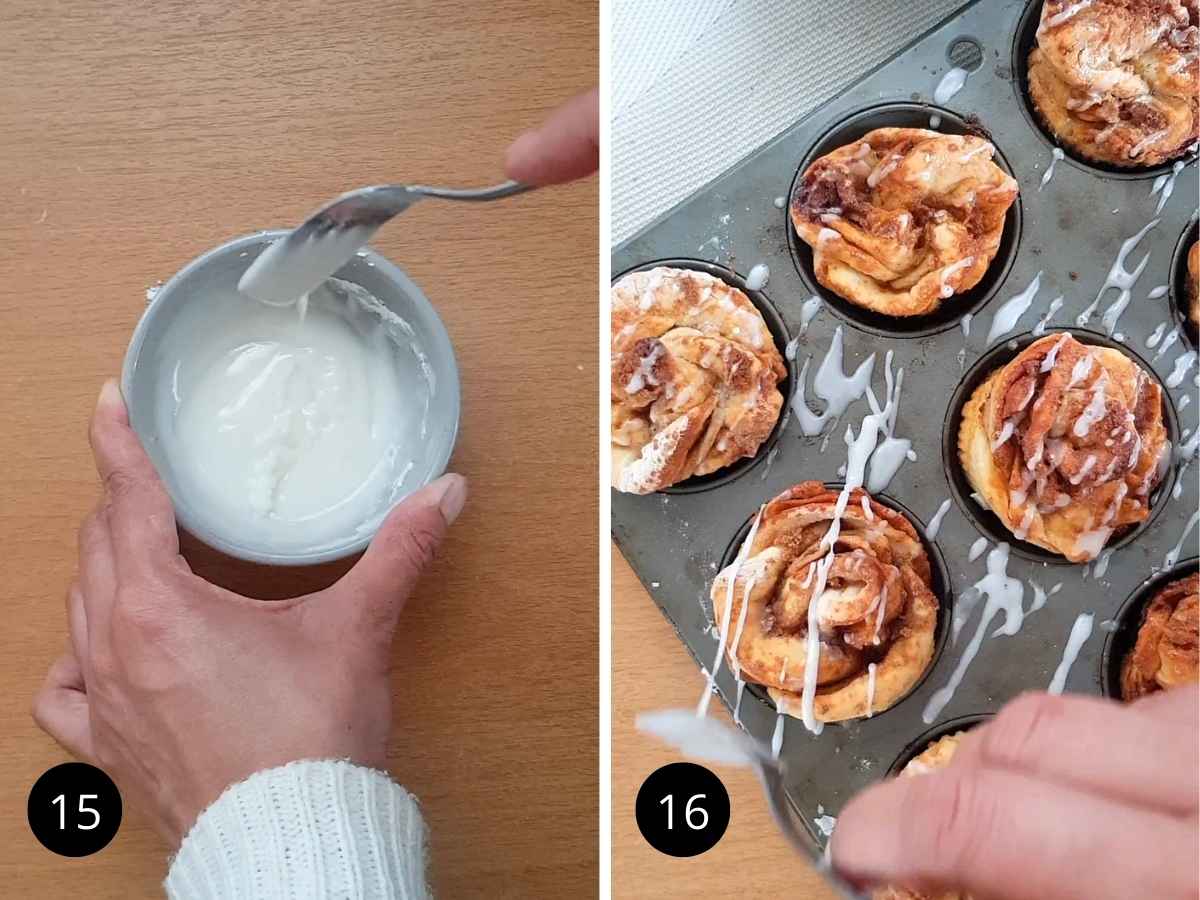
x=498, y=192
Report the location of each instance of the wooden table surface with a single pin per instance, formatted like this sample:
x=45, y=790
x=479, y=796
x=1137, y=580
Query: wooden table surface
x=135, y=136
x=653, y=670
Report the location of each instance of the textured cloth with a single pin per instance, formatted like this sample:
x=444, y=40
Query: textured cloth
x=312, y=830
x=699, y=84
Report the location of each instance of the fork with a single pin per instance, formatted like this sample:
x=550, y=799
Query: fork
x=295, y=264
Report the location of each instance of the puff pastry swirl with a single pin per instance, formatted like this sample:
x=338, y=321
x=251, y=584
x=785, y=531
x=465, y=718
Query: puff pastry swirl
x=1065, y=444
x=877, y=614
x=1117, y=80
x=1167, y=650
x=902, y=220
x=695, y=378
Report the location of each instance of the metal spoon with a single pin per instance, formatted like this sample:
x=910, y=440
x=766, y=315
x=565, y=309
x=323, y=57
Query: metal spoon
x=294, y=265
x=709, y=739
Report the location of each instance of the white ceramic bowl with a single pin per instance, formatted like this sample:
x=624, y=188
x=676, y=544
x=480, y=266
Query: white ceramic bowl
x=215, y=273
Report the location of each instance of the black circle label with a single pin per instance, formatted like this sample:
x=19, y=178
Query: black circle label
x=74, y=809
x=682, y=809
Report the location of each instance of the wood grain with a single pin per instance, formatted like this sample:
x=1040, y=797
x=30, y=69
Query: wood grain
x=653, y=670
x=135, y=136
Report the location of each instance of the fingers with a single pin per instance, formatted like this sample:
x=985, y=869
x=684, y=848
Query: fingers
x=564, y=147
x=97, y=579
x=140, y=515
x=1144, y=757
x=380, y=582
x=61, y=707
x=77, y=626
x=1002, y=834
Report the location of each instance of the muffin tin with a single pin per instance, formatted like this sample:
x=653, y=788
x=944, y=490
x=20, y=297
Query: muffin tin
x=1071, y=231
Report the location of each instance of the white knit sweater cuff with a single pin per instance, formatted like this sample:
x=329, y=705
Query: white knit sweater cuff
x=312, y=829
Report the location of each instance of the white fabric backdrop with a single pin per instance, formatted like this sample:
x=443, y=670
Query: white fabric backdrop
x=698, y=84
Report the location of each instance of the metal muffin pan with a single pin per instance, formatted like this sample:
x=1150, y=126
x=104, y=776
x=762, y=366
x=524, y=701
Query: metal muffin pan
x=1071, y=231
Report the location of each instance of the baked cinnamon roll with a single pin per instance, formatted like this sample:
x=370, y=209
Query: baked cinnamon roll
x=1167, y=650
x=1065, y=444
x=902, y=220
x=936, y=756
x=695, y=378
x=1117, y=80
x=876, y=613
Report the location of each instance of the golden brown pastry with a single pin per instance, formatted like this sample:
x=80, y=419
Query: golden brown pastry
x=903, y=219
x=877, y=613
x=936, y=756
x=1065, y=444
x=1193, y=284
x=1117, y=80
x=1167, y=650
x=695, y=375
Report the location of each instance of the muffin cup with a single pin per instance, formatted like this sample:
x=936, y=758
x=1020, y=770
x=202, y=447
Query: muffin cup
x=988, y=523
x=1024, y=41
x=1119, y=641
x=926, y=738
x=1180, y=297
x=950, y=311
x=941, y=589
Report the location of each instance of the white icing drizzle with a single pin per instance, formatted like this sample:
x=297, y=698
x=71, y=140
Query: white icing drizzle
x=1184, y=401
x=1067, y=13
x=1183, y=365
x=871, y=688
x=866, y=508
x=1158, y=292
x=1092, y=413
x=1003, y=593
x=1050, y=360
x=825, y=824
x=951, y=83
x=949, y=272
x=1055, y=155
x=1118, y=276
x=1101, y=567
x=935, y=524
x=1113, y=313
x=1173, y=556
x=831, y=385
x=977, y=549
x=790, y=350
x=737, y=705
x=780, y=202
x=777, y=736
x=1164, y=185
x=1010, y=312
x=965, y=324
x=935, y=121
x=1080, y=632
x=808, y=311
x=891, y=452
x=1167, y=342
x=759, y=275
x=1005, y=433
x=860, y=450
x=1055, y=305
x=884, y=168
x=645, y=372
x=732, y=572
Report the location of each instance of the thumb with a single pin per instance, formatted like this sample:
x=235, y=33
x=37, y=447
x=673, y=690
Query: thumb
x=402, y=549
x=564, y=147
